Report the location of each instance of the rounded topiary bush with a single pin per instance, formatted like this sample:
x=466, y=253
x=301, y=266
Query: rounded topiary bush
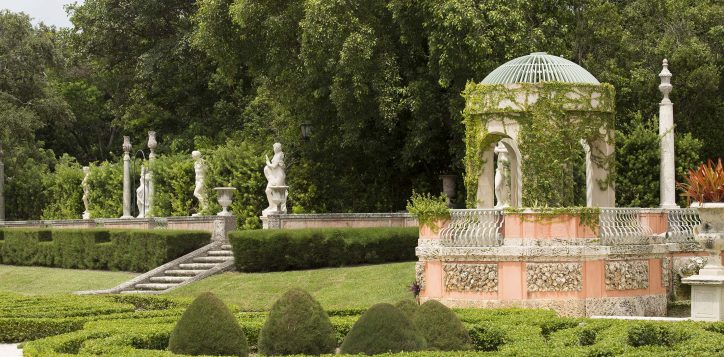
x=408, y=307
x=383, y=328
x=441, y=328
x=487, y=337
x=297, y=324
x=207, y=327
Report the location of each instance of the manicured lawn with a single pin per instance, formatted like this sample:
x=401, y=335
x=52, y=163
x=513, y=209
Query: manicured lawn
x=43, y=281
x=334, y=288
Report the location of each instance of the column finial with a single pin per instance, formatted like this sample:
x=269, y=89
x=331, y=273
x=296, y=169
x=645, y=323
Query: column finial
x=665, y=86
x=126, y=144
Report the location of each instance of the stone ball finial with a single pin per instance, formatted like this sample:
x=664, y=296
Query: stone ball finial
x=126, y=144
x=665, y=87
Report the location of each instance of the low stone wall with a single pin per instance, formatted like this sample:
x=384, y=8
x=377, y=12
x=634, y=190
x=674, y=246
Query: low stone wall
x=558, y=263
x=219, y=226
x=338, y=220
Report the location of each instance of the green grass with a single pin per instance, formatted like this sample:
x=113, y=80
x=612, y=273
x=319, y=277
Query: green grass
x=334, y=288
x=44, y=281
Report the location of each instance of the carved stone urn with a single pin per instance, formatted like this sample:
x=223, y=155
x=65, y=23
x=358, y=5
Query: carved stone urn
x=707, y=287
x=710, y=235
x=225, y=195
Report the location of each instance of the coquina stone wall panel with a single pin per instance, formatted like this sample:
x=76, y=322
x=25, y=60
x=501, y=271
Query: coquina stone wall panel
x=554, y=276
x=627, y=275
x=471, y=277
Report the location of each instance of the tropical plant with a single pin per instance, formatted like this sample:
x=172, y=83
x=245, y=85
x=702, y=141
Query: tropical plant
x=428, y=209
x=705, y=183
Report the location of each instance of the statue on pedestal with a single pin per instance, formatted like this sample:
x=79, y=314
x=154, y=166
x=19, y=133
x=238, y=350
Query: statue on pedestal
x=276, y=177
x=200, y=170
x=86, y=192
x=502, y=177
x=143, y=194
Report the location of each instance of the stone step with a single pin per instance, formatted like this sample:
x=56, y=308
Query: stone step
x=226, y=246
x=211, y=259
x=137, y=292
x=184, y=272
x=226, y=253
x=197, y=266
x=169, y=279
x=154, y=286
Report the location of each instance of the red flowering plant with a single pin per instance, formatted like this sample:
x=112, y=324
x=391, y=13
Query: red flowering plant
x=704, y=183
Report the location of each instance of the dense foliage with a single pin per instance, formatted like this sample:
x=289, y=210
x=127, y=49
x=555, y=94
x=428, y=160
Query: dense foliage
x=127, y=250
x=382, y=329
x=378, y=81
x=297, y=324
x=207, y=327
x=441, y=328
x=294, y=249
x=142, y=325
x=705, y=183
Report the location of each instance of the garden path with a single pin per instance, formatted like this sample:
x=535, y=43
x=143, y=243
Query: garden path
x=10, y=350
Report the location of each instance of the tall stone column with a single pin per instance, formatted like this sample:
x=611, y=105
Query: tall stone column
x=666, y=135
x=126, y=177
x=2, y=184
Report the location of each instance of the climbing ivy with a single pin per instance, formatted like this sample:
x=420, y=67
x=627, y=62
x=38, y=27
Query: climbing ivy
x=552, y=118
x=588, y=216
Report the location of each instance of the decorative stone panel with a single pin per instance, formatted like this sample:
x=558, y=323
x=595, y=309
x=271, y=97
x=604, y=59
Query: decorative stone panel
x=627, y=275
x=665, y=271
x=420, y=274
x=554, y=276
x=685, y=267
x=471, y=277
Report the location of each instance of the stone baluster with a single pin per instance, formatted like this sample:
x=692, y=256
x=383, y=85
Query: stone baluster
x=127, y=177
x=666, y=135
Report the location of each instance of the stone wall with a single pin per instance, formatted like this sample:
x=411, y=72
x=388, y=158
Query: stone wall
x=627, y=275
x=339, y=220
x=471, y=277
x=554, y=276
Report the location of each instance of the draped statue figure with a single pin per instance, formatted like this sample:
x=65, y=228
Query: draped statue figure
x=502, y=177
x=143, y=194
x=276, y=178
x=86, y=192
x=199, y=191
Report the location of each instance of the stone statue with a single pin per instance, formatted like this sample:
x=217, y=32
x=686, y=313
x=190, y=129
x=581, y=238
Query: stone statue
x=200, y=170
x=502, y=177
x=276, y=177
x=143, y=194
x=86, y=192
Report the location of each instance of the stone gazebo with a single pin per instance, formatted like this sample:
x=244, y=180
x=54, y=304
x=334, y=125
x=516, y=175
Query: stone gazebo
x=537, y=113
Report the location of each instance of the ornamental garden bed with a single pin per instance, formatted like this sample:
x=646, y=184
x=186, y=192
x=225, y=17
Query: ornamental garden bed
x=142, y=325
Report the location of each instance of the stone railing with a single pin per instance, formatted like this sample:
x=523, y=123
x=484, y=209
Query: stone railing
x=623, y=226
x=681, y=224
x=473, y=228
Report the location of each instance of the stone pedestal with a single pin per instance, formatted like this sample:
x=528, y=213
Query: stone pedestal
x=271, y=221
x=707, y=297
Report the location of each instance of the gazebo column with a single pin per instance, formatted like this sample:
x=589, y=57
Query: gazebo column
x=599, y=195
x=486, y=181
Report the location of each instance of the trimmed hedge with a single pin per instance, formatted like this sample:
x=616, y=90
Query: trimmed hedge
x=296, y=249
x=102, y=249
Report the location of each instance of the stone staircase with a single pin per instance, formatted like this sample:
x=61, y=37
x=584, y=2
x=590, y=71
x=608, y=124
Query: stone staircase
x=208, y=260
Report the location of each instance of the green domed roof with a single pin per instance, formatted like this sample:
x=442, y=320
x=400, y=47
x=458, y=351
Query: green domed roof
x=539, y=67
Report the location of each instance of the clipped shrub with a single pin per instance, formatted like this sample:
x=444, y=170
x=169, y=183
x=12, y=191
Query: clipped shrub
x=487, y=338
x=207, y=327
x=441, y=328
x=408, y=307
x=294, y=249
x=128, y=250
x=647, y=334
x=106, y=182
x=297, y=324
x=586, y=336
x=550, y=326
x=382, y=329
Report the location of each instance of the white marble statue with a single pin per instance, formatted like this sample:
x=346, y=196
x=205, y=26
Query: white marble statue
x=200, y=170
x=502, y=177
x=143, y=195
x=276, y=177
x=86, y=192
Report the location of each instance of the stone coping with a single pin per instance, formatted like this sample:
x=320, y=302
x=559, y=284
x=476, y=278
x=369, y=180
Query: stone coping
x=157, y=221
x=337, y=216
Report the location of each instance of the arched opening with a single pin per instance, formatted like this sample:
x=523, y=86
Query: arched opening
x=501, y=180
